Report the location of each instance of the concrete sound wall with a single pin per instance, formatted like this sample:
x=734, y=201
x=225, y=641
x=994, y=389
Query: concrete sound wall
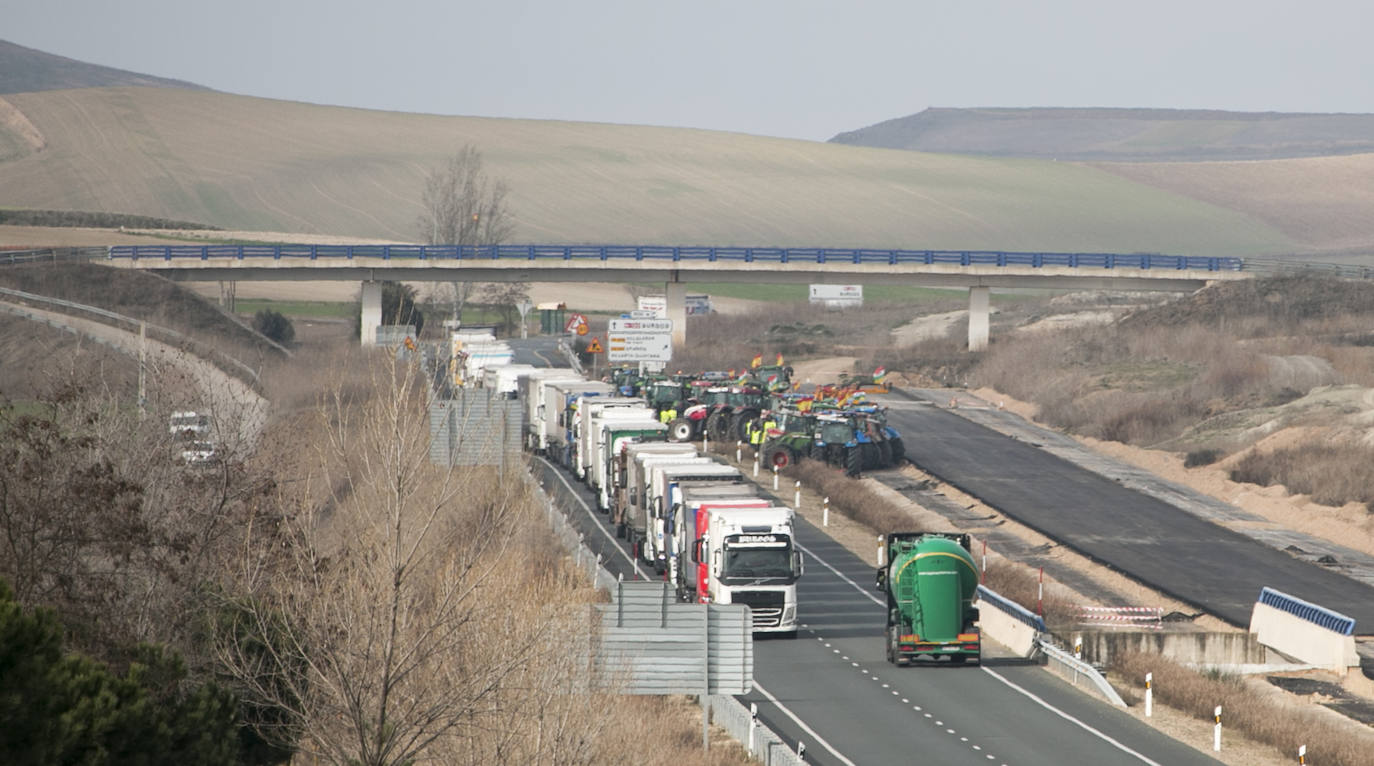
x=1304, y=631
x=1007, y=622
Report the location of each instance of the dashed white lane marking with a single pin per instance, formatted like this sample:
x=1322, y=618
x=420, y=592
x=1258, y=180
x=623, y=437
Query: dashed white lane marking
x=1042, y=703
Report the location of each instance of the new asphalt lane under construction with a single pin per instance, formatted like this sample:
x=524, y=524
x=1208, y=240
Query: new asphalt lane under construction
x=1171, y=550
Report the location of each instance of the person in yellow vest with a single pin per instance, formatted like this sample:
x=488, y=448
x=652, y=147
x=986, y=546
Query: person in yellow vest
x=756, y=431
x=667, y=415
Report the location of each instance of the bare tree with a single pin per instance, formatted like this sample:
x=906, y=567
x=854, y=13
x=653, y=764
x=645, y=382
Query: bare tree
x=464, y=206
x=367, y=630
x=504, y=297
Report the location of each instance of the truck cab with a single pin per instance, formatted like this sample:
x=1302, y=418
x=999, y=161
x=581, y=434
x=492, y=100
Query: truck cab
x=750, y=558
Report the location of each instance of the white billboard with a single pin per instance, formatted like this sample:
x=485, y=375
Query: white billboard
x=838, y=296
x=658, y=304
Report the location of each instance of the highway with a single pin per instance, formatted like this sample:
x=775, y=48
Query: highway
x=832, y=689
x=1213, y=568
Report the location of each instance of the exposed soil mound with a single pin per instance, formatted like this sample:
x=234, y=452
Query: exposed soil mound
x=1281, y=300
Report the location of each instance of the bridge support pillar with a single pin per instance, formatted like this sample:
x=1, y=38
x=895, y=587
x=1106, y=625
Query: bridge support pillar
x=372, y=312
x=977, y=318
x=675, y=295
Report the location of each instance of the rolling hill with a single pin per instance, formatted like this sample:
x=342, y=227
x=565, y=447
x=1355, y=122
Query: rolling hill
x=75, y=136
x=1121, y=135
x=256, y=164
x=25, y=70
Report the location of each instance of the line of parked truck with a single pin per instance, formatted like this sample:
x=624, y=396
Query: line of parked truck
x=690, y=517
x=700, y=524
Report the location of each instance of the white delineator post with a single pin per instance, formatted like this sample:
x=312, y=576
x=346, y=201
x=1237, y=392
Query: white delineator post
x=739, y=452
x=1302, y=754
x=756, y=465
x=753, y=724
x=825, y=513
x=796, y=497
x=881, y=550
x=1149, y=695
x=775, y=478
x=1216, y=731
x=371, y=313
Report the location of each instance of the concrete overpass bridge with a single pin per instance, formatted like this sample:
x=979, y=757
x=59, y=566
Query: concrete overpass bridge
x=675, y=267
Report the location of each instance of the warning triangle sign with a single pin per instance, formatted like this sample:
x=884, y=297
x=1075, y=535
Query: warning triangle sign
x=595, y=346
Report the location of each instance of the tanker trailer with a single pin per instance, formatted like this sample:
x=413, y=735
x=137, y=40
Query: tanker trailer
x=930, y=581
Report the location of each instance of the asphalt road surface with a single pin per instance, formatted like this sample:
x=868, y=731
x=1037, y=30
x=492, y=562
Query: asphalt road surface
x=1188, y=558
x=832, y=688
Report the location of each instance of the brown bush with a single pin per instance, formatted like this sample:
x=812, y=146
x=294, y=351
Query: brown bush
x=1258, y=716
x=1331, y=474
x=850, y=497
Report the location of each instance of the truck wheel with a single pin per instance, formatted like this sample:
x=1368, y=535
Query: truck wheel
x=891, y=645
x=898, y=451
x=620, y=531
x=817, y=453
x=853, y=461
x=680, y=430
x=958, y=659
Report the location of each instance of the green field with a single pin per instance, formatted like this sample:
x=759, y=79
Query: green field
x=303, y=309
x=247, y=164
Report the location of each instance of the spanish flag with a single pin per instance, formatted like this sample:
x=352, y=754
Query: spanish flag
x=879, y=374
x=756, y=362
x=779, y=358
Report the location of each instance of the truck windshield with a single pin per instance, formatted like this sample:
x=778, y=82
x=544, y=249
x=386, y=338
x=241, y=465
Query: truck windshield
x=750, y=560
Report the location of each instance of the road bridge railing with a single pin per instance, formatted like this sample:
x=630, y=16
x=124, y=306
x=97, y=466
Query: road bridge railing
x=641, y=253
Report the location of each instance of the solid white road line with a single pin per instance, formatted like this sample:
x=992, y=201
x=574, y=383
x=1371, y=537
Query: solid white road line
x=1067, y=717
x=809, y=731
x=596, y=522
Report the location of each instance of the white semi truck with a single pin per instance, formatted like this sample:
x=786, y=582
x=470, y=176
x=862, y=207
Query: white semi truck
x=627, y=476
x=590, y=415
x=531, y=390
x=747, y=555
x=614, y=435
x=664, y=488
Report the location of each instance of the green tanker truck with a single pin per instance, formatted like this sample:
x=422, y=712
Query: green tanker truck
x=930, y=581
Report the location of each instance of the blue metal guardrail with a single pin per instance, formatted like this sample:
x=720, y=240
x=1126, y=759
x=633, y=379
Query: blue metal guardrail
x=1317, y=615
x=677, y=254
x=1012, y=608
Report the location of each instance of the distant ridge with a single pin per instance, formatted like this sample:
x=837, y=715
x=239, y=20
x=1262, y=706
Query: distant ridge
x=25, y=70
x=1121, y=135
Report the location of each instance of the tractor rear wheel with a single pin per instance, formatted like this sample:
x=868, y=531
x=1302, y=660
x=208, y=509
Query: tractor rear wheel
x=885, y=454
x=898, y=451
x=718, y=426
x=854, y=461
x=681, y=430
x=779, y=456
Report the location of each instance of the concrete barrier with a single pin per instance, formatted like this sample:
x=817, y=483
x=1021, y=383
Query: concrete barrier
x=1189, y=648
x=1305, y=631
x=1007, y=622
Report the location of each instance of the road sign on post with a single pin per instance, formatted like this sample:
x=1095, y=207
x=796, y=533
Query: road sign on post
x=639, y=340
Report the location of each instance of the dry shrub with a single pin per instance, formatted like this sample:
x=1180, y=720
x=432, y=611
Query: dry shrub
x=1331, y=474
x=1021, y=584
x=1259, y=716
x=851, y=497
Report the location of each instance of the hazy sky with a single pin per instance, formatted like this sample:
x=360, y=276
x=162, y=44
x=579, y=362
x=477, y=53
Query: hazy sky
x=774, y=67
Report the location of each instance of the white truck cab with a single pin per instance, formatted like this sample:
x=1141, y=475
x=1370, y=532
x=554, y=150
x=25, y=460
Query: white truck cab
x=749, y=557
